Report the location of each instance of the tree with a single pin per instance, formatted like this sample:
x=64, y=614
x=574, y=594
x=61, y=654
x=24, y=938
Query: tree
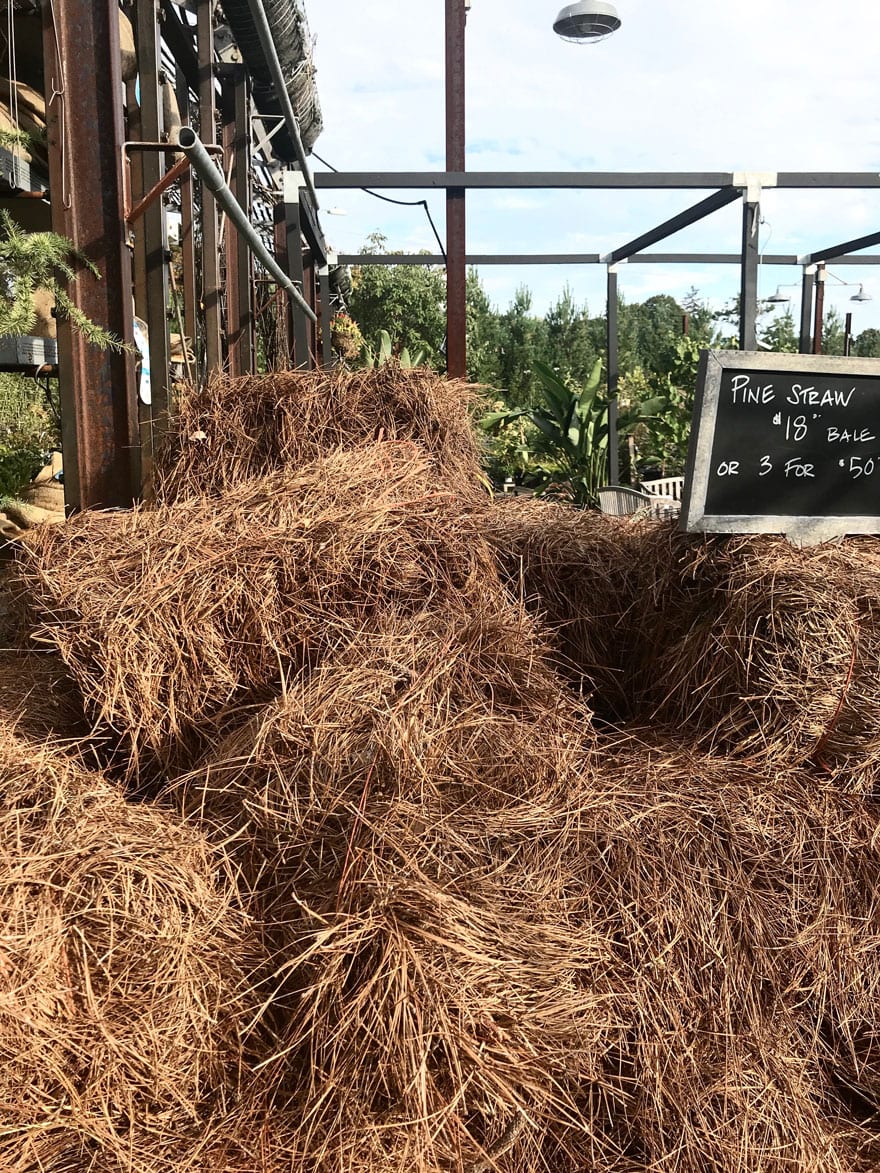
x=409, y=301
x=483, y=334
x=523, y=341
x=569, y=347
x=780, y=334
x=832, y=332
x=867, y=344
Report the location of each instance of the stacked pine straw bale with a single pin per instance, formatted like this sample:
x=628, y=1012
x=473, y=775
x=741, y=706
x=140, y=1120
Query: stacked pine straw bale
x=127, y=972
x=498, y=941
x=236, y=429
x=746, y=646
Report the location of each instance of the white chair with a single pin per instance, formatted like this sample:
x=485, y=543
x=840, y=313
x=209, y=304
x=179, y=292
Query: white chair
x=622, y=501
x=665, y=487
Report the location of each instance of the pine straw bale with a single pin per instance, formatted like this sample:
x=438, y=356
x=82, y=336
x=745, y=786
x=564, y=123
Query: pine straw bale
x=38, y=697
x=396, y=813
x=749, y=646
x=171, y=620
x=597, y=582
x=124, y=972
x=777, y=655
x=235, y=429
x=745, y=917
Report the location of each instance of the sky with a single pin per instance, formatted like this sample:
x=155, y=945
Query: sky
x=683, y=85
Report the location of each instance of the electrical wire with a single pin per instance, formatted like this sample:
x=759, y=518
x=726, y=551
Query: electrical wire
x=400, y=203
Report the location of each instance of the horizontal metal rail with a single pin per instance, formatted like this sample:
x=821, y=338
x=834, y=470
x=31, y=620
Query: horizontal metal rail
x=470, y=180
x=587, y=259
x=194, y=149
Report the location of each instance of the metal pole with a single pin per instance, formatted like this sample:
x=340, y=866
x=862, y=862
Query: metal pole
x=613, y=376
x=456, y=268
x=258, y=15
x=847, y=335
x=748, y=290
x=235, y=105
x=85, y=134
x=820, y=309
x=210, y=231
x=194, y=149
x=152, y=298
x=326, y=316
x=806, y=337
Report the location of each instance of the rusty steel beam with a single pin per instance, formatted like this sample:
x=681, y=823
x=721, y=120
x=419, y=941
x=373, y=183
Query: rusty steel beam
x=456, y=268
x=240, y=349
x=85, y=133
x=210, y=228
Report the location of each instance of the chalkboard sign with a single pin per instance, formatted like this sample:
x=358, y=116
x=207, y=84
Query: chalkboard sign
x=784, y=443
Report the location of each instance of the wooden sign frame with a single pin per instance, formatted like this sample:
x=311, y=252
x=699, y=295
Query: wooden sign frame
x=809, y=529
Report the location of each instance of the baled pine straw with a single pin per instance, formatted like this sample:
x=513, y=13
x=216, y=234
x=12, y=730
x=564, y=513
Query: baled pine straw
x=396, y=814
x=125, y=966
x=581, y=572
x=776, y=655
x=236, y=429
x=745, y=920
x=170, y=621
x=746, y=645
x=38, y=696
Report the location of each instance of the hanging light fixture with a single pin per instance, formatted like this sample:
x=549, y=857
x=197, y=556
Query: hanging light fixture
x=587, y=21
x=779, y=298
x=861, y=295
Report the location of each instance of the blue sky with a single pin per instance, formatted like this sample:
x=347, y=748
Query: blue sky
x=684, y=85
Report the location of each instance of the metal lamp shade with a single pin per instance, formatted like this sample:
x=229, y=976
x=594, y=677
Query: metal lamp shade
x=861, y=295
x=587, y=21
x=779, y=298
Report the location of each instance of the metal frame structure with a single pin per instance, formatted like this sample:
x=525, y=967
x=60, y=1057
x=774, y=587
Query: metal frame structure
x=129, y=171
x=729, y=187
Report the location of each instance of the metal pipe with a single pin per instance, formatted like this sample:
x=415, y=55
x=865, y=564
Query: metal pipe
x=258, y=14
x=194, y=149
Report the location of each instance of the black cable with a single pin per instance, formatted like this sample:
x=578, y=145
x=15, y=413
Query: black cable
x=400, y=203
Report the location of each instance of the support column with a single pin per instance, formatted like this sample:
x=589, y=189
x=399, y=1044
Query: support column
x=210, y=233
x=239, y=260
x=748, y=290
x=805, y=345
x=456, y=269
x=818, y=322
x=611, y=317
x=293, y=185
x=187, y=237
x=326, y=314
x=85, y=134
x=151, y=298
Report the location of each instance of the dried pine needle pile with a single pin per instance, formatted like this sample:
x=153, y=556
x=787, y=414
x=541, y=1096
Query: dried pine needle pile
x=481, y=935
x=127, y=972
x=236, y=429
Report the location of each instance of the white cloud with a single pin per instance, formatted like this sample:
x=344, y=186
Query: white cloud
x=785, y=86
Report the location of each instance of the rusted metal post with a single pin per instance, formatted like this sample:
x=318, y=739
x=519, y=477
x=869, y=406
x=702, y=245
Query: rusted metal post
x=295, y=267
x=284, y=355
x=151, y=298
x=187, y=237
x=85, y=133
x=456, y=269
x=210, y=233
x=239, y=263
x=819, y=319
x=847, y=335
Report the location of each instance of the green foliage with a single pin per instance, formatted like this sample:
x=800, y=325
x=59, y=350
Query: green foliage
x=42, y=260
x=27, y=433
x=385, y=354
x=572, y=433
x=867, y=344
x=407, y=301
x=780, y=334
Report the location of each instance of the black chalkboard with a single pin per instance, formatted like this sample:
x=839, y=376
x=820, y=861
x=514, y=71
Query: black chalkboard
x=784, y=443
